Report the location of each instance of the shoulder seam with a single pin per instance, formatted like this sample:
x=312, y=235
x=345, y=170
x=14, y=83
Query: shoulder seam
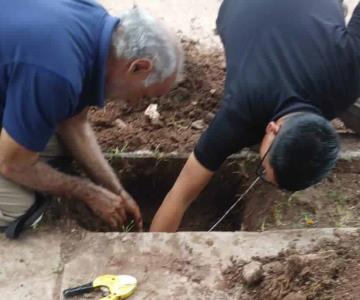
x=49, y=71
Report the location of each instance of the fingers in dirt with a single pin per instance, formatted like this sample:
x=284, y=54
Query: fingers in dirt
x=134, y=210
x=121, y=212
x=118, y=219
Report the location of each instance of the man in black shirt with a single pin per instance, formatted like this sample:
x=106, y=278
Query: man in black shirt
x=291, y=67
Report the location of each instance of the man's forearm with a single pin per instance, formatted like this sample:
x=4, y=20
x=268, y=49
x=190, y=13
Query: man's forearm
x=169, y=215
x=43, y=178
x=191, y=181
x=80, y=139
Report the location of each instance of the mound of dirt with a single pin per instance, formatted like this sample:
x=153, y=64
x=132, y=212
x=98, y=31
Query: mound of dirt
x=184, y=113
x=331, y=270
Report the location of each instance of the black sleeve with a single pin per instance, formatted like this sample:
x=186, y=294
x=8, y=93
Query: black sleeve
x=354, y=24
x=229, y=132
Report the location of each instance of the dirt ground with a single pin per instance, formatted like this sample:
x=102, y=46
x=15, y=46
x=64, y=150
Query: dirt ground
x=331, y=270
x=333, y=203
x=184, y=113
x=195, y=99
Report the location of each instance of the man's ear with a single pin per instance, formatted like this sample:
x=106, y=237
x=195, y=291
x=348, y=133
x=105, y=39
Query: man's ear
x=272, y=128
x=141, y=66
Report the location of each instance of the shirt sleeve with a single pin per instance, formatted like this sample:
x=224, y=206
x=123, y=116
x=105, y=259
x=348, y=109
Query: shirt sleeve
x=37, y=100
x=229, y=132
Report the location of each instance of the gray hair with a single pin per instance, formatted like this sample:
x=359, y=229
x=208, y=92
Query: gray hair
x=139, y=35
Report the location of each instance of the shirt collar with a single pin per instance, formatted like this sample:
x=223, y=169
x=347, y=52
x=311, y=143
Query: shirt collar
x=99, y=69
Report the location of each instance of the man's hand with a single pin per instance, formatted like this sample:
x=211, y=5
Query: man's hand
x=23, y=167
x=191, y=181
x=113, y=204
x=114, y=209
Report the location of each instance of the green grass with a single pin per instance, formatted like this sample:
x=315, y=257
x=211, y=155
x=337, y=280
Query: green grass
x=129, y=227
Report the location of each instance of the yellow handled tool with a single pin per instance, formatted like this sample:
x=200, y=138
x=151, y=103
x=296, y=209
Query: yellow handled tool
x=119, y=286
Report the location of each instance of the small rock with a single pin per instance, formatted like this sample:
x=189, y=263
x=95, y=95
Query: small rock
x=212, y=91
x=120, y=124
x=152, y=113
x=252, y=273
x=191, y=114
x=210, y=242
x=209, y=117
x=199, y=125
x=295, y=296
x=274, y=267
x=183, y=279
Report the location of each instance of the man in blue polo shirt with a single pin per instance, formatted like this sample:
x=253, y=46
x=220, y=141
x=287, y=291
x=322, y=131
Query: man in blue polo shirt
x=57, y=58
x=291, y=67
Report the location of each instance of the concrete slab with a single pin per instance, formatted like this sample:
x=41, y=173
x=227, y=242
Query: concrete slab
x=30, y=267
x=182, y=265
x=176, y=266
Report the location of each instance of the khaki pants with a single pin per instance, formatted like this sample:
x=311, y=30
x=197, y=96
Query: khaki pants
x=15, y=199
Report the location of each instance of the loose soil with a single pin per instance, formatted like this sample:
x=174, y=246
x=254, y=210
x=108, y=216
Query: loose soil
x=333, y=203
x=329, y=271
x=196, y=98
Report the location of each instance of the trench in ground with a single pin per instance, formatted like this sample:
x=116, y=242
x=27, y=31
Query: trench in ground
x=148, y=178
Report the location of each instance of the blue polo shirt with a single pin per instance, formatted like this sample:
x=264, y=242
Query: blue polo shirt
x=52, y=64
x=282, y=56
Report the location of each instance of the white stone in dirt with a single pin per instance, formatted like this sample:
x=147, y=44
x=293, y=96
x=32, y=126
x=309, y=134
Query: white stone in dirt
x=199, y=125
x=152, y=113
x=252, y=272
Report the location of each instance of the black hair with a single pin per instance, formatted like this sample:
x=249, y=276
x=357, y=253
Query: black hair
x=305, y=150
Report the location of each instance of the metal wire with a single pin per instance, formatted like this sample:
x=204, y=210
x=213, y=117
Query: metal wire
x=236, y=203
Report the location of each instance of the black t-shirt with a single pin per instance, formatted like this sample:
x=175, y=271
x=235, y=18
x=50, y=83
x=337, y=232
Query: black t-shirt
x=282, y=56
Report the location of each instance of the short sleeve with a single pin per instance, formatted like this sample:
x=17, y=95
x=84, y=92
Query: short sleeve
x=37, y=100
x=227, y=134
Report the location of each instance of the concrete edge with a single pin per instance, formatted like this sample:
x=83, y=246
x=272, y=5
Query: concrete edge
x=347, y=155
